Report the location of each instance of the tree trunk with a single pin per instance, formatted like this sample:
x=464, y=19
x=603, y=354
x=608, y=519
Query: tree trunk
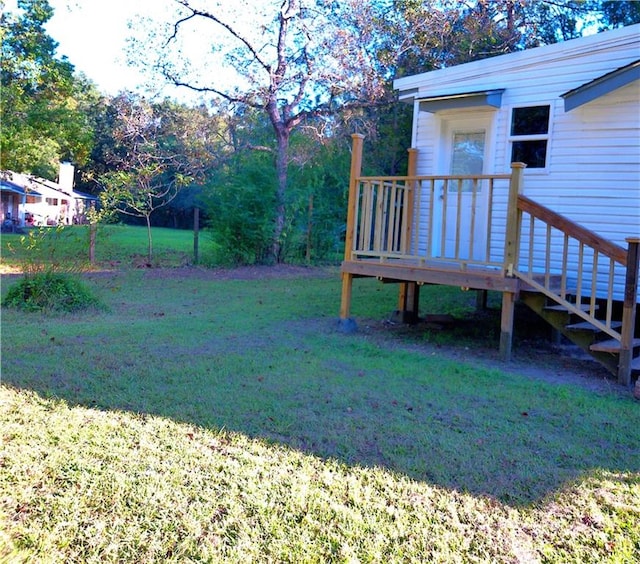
x=150, y=241
x=282, y=158
x=196, y=234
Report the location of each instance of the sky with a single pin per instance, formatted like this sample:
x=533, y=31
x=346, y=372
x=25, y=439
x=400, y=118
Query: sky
x=92, y=34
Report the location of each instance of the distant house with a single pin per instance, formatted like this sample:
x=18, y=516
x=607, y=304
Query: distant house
x=27, y=200
x=524, y=178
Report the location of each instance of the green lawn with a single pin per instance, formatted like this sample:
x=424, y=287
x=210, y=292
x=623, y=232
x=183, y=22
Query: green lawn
x=117, y=245
x=223, y=420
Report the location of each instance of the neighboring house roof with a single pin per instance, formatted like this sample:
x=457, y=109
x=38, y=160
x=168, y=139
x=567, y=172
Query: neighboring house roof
x=600, y=86
x=23, y=183
x=84, y=196
x=7, y=186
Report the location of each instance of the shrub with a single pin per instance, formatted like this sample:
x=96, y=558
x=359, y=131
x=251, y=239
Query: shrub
x=51, y=291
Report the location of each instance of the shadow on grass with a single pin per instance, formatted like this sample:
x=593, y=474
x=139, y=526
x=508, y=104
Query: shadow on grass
x=353, y=398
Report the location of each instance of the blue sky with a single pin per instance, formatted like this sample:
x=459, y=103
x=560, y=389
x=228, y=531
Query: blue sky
x=93, y=33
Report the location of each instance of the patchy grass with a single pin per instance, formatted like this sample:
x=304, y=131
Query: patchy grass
x=117, y=245
x=204, y=419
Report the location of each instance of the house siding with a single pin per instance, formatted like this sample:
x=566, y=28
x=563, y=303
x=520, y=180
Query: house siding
x=593, y=155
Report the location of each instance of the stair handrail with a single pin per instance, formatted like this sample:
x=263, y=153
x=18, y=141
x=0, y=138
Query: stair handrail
x=585, y=237
x=578, y=232
x=628, y=258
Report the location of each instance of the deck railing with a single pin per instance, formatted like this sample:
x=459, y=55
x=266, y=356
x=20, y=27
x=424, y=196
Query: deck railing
x=444, y=218
x=467, y=221
x=579, y=269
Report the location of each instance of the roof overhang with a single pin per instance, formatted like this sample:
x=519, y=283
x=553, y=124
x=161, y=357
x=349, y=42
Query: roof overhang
x=7, y=186
x=432, y=104
x=601, y=86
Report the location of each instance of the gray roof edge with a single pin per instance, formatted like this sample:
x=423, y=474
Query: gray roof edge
x=601, y=86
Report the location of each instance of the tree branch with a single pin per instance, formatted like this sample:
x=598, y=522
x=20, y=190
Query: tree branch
x=209, y=16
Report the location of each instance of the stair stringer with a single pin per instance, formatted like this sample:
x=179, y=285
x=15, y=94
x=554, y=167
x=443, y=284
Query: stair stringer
x=559, y=320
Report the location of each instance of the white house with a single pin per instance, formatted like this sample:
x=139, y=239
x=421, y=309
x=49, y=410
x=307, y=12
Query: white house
x=29, y=200
x=570, y=111
x=524, y=178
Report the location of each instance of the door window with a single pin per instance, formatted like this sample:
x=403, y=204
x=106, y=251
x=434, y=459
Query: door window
x=467, y=156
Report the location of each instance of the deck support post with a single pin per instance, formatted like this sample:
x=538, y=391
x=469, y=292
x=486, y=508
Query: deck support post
x=629, y=311
x=511, y=252
x=409, y=292
x=408, y=303
x=506, y=324
x=347, y=324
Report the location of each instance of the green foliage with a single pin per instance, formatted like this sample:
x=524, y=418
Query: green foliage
x=317, y=201
x=43, y=106
x=50, y=291
x=47, y=257
x=56, y=249
x=240, y=207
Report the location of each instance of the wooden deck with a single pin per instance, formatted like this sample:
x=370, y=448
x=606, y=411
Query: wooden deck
x=432, y=272
x=410, y=230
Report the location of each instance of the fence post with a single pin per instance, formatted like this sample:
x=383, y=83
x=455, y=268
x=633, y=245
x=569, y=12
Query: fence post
x=511, y=251
x=347, y=277
x=629, y=311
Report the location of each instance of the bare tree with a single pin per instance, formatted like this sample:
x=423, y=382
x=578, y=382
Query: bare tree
x=295, y=60
x=151, y=163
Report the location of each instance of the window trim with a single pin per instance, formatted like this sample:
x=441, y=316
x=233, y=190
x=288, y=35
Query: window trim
x=536, y=137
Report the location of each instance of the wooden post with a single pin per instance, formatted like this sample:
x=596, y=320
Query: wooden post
x=196, y=235
x=409, y=292
x=511, y=251
x=356, y=171
x=506, y=325
x=629, y=311
x=347, y=278
x=512, y=237
x=309, y=228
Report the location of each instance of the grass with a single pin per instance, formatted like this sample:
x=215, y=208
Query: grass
x=227, y=420
x=117, y=245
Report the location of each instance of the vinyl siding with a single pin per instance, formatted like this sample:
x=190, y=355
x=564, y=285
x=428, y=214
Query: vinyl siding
x=593, y=156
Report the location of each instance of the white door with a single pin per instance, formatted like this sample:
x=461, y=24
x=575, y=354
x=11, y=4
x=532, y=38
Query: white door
x=461, y=212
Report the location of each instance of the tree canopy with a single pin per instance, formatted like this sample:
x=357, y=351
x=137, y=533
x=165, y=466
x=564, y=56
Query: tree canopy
x=43, y=105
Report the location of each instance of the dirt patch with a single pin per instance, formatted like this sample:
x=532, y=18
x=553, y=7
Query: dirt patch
x=255, y=272
x=537, y=358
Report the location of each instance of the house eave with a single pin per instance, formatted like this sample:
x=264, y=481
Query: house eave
x=483, y=98
x=601, y=86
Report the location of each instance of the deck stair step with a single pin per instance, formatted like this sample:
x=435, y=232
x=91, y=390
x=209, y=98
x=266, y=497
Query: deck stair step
x=581, y=307
x=611, y=346
x=555, y=283
x=586, y=326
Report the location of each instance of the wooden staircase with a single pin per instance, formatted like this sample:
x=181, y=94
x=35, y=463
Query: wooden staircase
x=576, y=293
x=589, y=337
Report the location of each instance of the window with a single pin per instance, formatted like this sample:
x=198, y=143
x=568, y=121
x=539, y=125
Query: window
x=467, y=157
x=530, y=135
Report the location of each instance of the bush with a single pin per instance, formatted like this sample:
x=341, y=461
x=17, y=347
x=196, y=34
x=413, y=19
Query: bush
x=51, y=291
